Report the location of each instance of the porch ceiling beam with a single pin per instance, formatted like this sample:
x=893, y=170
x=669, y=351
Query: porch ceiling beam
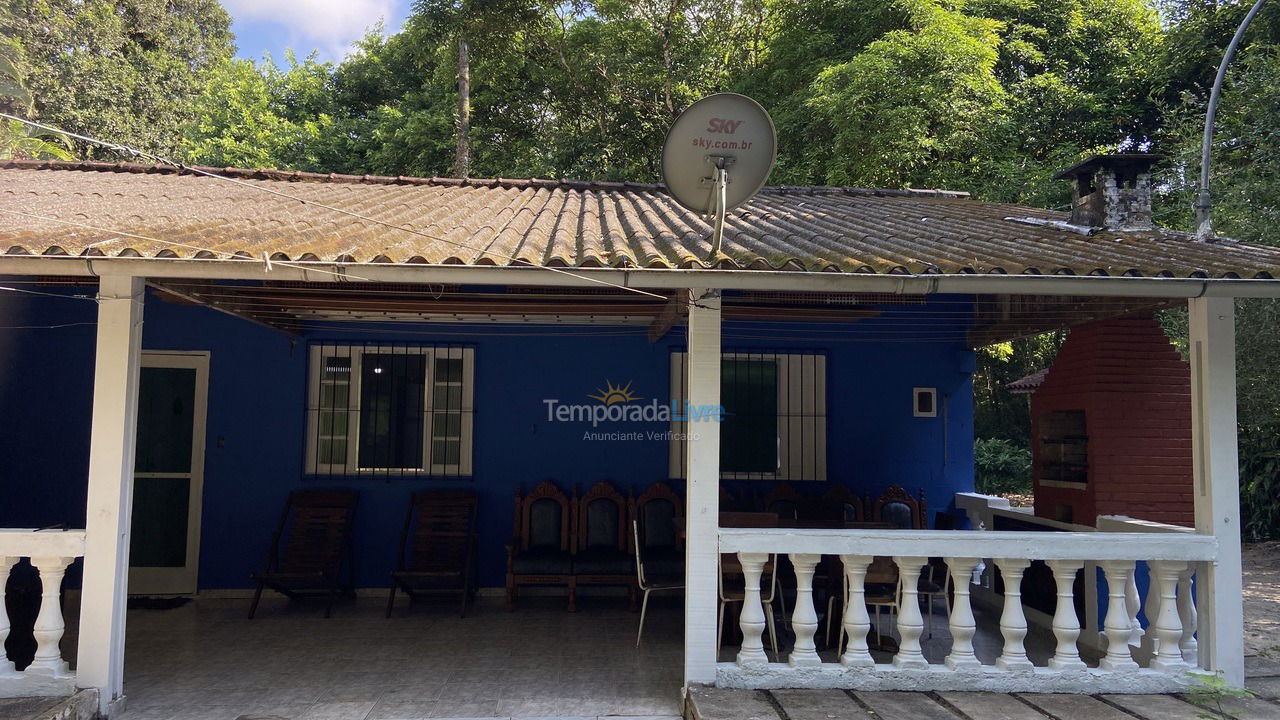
x=194, y=297
x=647, y=278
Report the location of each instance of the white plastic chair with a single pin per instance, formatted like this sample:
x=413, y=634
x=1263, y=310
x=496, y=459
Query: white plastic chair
x=643, y=582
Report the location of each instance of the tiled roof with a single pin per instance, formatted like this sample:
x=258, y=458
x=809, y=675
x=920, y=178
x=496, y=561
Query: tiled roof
x=568, y=223
x=1029, y=384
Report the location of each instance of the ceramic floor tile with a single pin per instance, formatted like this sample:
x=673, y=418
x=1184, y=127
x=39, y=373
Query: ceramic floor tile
x=338, y=711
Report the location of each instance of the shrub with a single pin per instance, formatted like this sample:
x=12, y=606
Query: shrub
x=1001, y=467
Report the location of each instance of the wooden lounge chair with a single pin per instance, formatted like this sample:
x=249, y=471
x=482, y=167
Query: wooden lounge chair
x=602, y=549
x=310, y=547
x=437, y=548
x=540, y=549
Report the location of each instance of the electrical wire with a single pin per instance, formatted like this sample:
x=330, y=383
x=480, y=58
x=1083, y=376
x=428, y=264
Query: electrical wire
x=125, y=149
x=48, y=294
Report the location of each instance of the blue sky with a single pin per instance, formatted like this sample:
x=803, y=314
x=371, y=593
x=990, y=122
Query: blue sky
x=327, y=26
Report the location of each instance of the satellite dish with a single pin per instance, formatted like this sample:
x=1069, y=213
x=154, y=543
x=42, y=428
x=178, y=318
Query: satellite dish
x=717, y=155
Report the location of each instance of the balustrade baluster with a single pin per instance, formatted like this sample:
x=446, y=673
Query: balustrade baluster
x=1167, y=625
x=963, y=624
x=1117, y=625
x=49, y=625
x=1132, y=602
x=1013, y=621
x=910, y=621
x=804, y=619
x=6, y=564
x=1066, y=625
x=1187, y=615
x=753, y=621
x=856, y=621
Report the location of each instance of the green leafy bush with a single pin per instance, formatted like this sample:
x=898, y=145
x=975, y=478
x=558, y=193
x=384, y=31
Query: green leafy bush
x=1001, y=467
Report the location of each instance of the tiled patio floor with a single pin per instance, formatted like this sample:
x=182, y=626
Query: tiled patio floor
x=205, y=661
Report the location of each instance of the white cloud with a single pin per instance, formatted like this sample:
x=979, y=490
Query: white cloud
x=327, y=25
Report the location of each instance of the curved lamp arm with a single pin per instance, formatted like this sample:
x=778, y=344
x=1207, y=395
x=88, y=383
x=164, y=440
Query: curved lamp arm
x=1203, y=204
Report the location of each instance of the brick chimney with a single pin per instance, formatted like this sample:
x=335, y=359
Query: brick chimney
x=1112, y=192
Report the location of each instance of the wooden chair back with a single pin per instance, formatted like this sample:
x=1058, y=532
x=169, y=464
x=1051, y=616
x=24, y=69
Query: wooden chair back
x=543, y=518
x=655, y=512
x=314, y=533
x=784, y=501
x=895, y=505
x=439, y=531
x=840, y=505
x=602, y=519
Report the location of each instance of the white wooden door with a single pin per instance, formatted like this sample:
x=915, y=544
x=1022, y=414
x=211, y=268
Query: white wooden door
x=168, y=478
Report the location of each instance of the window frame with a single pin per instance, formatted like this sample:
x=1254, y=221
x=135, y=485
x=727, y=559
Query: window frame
x=356, y=352
x=798, y=406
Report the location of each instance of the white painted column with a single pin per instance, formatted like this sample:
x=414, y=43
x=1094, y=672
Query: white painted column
x=702, y=503
x=1217, y=484
x=100, y=658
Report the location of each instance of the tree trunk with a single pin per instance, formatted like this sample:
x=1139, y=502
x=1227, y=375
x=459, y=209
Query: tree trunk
x=462, y=157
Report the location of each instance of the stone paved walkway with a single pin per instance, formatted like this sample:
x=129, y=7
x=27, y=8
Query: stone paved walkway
x=1263, y=680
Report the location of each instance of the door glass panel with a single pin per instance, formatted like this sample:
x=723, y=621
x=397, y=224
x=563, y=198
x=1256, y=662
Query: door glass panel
x=159, y=535
x=166, y=407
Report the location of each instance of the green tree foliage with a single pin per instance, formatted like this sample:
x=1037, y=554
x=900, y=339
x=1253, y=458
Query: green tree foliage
x=17, y=140
x=989, y=96
x=128, y=70
x=998, y=413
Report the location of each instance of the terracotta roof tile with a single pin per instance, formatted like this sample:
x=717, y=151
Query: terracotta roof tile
x=569, y=223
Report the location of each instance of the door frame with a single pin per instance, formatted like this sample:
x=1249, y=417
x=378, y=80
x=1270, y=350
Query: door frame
x=180, y=581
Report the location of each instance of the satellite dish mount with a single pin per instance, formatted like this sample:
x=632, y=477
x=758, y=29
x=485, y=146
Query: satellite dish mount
x=716, y=201
x=742, y=137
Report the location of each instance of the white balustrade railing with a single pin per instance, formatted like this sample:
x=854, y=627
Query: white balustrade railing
x=1124, y=668
x=50, y=552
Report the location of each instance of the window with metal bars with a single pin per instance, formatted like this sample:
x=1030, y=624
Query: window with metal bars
x=390, y=409
x=775, y=416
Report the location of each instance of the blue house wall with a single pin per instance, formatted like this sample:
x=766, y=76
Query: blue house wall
x=256, y=418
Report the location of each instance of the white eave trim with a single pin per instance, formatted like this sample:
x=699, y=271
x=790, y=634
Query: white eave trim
x=648, y=278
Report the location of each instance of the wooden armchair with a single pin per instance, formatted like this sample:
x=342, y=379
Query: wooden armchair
x=540, y=549
x=838, y=505
x=437, y=548
x=310, y=547
x=896, y=506
x=601, y=547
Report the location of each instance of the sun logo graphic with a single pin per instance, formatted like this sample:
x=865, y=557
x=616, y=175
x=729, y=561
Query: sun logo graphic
x=614, y=394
